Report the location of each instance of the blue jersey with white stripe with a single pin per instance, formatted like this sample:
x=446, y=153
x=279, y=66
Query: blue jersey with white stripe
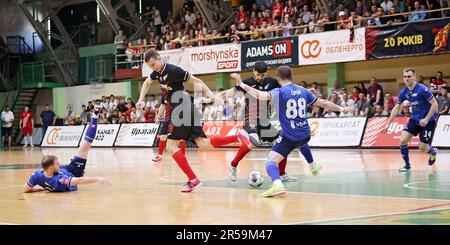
x=419, y=97
x=291, y=102
x=60, y=182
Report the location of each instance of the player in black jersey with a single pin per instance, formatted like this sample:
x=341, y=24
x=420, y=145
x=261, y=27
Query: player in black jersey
x=185, y=120
x=257, y=124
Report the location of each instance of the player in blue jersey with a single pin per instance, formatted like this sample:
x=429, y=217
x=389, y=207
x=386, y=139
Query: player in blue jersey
x=57, y=178
x=422, y=121
x=291, y=102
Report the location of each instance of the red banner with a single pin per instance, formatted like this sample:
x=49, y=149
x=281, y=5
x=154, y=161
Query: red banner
x=222, y=128
x=374, y=138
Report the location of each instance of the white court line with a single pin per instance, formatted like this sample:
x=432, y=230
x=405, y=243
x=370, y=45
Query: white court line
x=408, y=185
x=366, y=216
x=7, y=223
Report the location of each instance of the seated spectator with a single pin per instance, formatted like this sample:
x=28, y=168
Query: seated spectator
x=437, y=84
x=380, y=112
x=360, y=8
x=446, y=109
x=389, y=102
x=287, y=27
x=355, y=93
x=346, y=102
x=316, y=86
x=362, y=106
x=442, y=100
x=375, y=92
x=394, y=19
x=417, y=15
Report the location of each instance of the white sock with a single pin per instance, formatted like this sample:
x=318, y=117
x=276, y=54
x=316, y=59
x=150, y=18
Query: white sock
x=278, y=182
x=31, y=140
x=25, y=139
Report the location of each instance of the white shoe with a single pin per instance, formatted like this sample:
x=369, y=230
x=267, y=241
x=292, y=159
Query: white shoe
x=157, y=159
x=315, y=168
x=32, y=145
x=232, y=173
x=25, y=146
x=286, y=177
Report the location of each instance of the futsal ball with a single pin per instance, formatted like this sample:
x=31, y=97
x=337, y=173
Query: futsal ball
x=255, y=179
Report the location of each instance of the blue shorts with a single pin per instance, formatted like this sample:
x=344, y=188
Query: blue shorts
x=284, y=146
x=426, y=133
x=76, y=166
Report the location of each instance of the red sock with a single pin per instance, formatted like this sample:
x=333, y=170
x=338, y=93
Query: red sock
x=182, y=162
x=223, y=140
x=161, y=147
x=182, y=146
x=282, y=166
x=243, y=150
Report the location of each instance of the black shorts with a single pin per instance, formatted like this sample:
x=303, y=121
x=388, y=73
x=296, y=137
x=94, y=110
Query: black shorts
x=426, y=133
x=7, y=131
x=187, y=127
x=265, y=133
x=164, y=127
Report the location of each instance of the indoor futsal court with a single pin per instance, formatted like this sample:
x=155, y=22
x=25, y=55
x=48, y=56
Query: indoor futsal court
x=354, y=187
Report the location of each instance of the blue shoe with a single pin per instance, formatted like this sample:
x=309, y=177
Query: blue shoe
x=432, y=158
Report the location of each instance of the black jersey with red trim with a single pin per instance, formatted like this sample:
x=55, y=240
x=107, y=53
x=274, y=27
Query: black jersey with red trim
x=267, y=84
x=171, y=79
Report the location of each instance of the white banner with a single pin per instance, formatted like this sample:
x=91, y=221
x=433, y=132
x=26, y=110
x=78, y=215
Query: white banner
x=137, y=134
x=173, y=57
x=441, y=136
x=63, y=136
x=106, y=134
x=336, y=131
x=331, y=47
x=212, y=59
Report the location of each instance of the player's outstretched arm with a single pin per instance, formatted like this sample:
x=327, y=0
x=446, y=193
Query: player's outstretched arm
x=200, y=85
x=161, y=110
x=260, y=95
x=394, y=113
x=332, y=106
x=144, y=90
x=89, y=180
x=28, y=189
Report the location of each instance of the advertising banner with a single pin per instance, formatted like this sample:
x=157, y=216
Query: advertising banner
x=336, y=132
x=63, y=136
x=441, y=136
x=374, y=138
x=428, y=37
x=106, y=134
x=332, y=47
x=275, y=52
x=212, y=59
x=222, y=128
x=137, y=134
x=173, y=57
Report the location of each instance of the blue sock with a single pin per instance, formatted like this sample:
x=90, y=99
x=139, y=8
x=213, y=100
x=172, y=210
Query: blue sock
x=432, y=150
x=306, y=152
x=91, y=130
x=272, y=170
x=405, y=153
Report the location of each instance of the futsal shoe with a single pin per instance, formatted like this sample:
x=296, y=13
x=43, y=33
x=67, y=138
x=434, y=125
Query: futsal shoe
x=274, y=190
x=405, y=168
x=432, y=158
x=315, y=168
x=157, y=159
x=287, y=178
x=232, y=173
x=243, y=137
x=190, y=186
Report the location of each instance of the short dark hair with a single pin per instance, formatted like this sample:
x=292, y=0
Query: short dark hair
x=260, y=67
x=151, y=53
x=284, y=73
x=48, y=161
